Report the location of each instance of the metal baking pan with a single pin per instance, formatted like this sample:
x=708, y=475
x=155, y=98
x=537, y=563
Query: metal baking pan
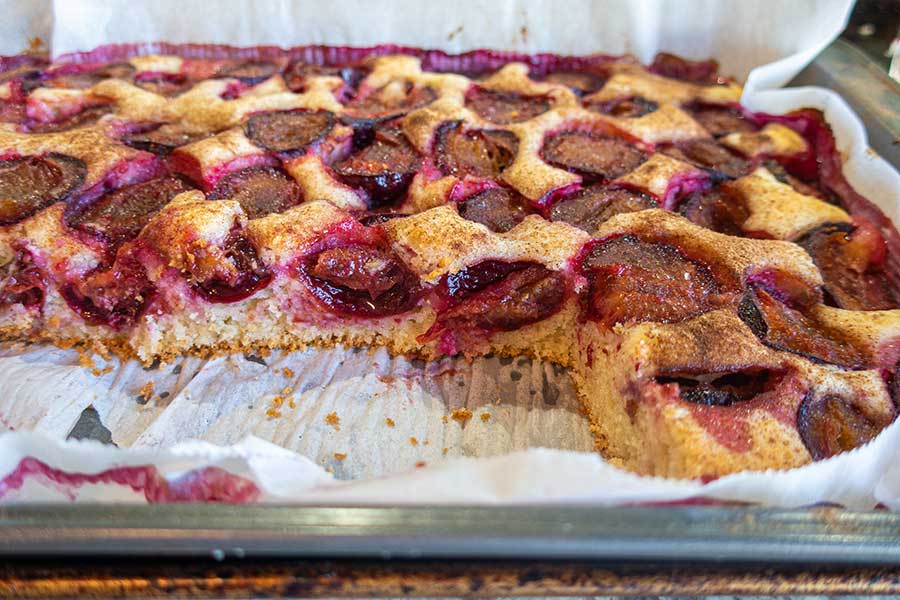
x=702, y=533
x=713, y=535
x=866, y=87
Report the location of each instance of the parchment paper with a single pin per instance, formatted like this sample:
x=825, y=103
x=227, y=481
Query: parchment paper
x=361, y=427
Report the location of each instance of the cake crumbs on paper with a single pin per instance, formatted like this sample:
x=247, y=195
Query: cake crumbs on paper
x=98, y=372
x=273, y=413
x=413, y=441
x=86, y=360
x=340, y=455
x=389, y=422
x=461, y=414
x=287, y=372
x=334, y=420
x=146, y=390
x=279, y=400
x=485, y=417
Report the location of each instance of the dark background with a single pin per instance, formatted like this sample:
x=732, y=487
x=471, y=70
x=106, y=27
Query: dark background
x=873, y=25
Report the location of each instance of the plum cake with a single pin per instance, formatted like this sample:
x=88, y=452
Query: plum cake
x=722, y=296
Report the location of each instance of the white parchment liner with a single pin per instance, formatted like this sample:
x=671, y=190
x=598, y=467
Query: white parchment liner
x=219, y=412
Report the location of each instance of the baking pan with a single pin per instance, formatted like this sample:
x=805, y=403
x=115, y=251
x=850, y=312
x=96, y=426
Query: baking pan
x=828, y=536
x=716, y=535
x=866, y=87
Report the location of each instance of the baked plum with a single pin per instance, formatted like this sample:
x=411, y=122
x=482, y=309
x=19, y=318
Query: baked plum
x=711, y=156
x=631, y=107
x=259, y=190
x=498, y=209
x=31, y=183
x=588, y=207
x=288, y=131
x=632, y=280
x=245, y=274
x=721, y=120
x=694, y=71
x=480, y=153
x=595, y=157
x=120, y=215
x=784, y=324
x=115, y=297
x=503, y=108
x=829, y=425
x=298, y=73
x=250, y=72
x=717, y=210
x=21, y=281
x=851, y=260
x=384, y=168
x=580, y=82
x=361, y=280
x=159, y=139
x=495, y=296
x=388, y=102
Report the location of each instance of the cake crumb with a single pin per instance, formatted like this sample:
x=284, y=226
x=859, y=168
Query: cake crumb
x=425, y=443
x=334, y=420
x=287, y=391
x=291, y=403
x=461, y=414
x=329, y=470
x=420, y=464
x=445, y=451
x=413, y=441
x=389, y=422
x=340, y=455
x=485, y=417
x=288, y=373
x=146, y=390
x=444, y=419
x=273, y=413
x=454, y=33
x=86, y=360
x=97, y=372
